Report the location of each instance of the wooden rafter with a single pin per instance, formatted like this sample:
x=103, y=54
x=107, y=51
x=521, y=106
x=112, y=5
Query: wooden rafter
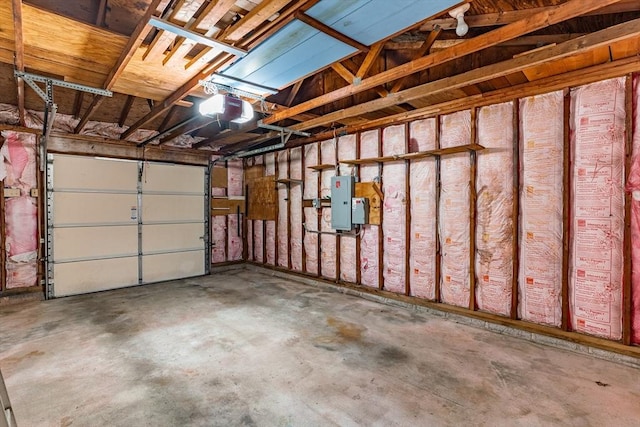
x=187, y=127
x=162, y=38
x=19, y=55
x=536, y=21
x=510, y=16
x=102, y=9
x=213, y=12
x=626, y=31
x=561, y=81
x=167, y=118
x=77, y=104
x=370, y=59
x=323, y=28
x=125, y=110
x=258, y=15
x=428, y=43
x=293, y=93
x=138, y=35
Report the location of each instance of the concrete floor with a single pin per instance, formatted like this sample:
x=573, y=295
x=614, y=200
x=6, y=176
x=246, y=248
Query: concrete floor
x=245, y=348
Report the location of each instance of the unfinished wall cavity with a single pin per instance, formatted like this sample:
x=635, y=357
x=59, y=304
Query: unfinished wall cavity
x=633, y=186
x=422, y=260
x=18, y=173
x=541, y=208
x=494, y=209
x=369, y=248
x=598, y=153
x=454, y=210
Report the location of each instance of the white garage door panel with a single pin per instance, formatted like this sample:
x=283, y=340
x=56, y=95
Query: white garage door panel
x=172, y=266
x=94, y=208
x=173, y=178
x=92, y=276
x=95, y=174
x=95, y=242
x=172, y=237
x=111, y=226
x=158, y=208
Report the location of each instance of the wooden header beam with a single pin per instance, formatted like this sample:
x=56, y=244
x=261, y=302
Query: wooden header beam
x=557, y=14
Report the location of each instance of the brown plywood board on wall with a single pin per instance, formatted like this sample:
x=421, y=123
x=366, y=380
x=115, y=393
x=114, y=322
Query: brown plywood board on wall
x=371, y=191
x=223, y=206
x=219, y=177
x=254, y=172
x=262, y=198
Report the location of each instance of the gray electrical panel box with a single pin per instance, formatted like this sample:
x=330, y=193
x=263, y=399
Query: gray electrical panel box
x=360, y=210
x=342, y=188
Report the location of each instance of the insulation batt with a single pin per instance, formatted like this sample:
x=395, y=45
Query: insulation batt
x=596, y=258
x=327, y=241
x=494, y=207
x=270, y=237
x=633, y=186
x=395, y=208
x=295, y=196
x=347, y=151
x=234, y=189
x=21, y=213
x=423, y=211
x=219, y=231
x=311, y=214
x=541, y=207
x=454, y=210
x=369, y=237
x=283, y=218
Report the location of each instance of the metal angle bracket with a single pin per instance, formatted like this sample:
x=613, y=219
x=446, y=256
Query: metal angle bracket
x=285, y=133
x=30, y=79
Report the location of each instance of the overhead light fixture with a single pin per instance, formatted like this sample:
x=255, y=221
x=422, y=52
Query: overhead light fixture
x=458, y=13
x=227, y=108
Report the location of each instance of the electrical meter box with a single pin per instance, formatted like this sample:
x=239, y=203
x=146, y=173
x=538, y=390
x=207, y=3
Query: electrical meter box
x=360, y=210
x=342, y=190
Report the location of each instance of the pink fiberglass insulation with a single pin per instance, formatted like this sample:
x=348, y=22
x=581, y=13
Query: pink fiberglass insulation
x=235, y=188
x=295, y=195
x=310, y=240
x=541, y=206
x=633, y=186
x=21, y=213
x=369, y=236
x=234, y=238
x=235, y=185
x=258, y=241
x=347, y=151
x=494, y=209
x=270, y=237
x=283, y=211
x=219, y=231
x=596, y=257
x=422, y=177
x=455, y=130
x=250, y=241
x=327, y=241
x=394, y=210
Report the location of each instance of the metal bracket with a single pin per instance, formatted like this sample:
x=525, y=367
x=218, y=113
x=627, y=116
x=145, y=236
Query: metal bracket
x=30, y=79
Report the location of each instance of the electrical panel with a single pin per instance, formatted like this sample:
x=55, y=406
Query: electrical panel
x=342, y=191
x=360, y=210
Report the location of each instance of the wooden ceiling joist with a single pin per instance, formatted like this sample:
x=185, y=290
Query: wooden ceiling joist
x=557, y=14
x=163, y=39
x=213, y=12
x=19, y=56
x=293, y=93
x=626, y=31
x=576, y=78
x=256, y=17
x=126, y=110
x=136, y=39
x=323, y=28
x=77, y=104
x=510, y=16
x=200, y=123
x=424, y=48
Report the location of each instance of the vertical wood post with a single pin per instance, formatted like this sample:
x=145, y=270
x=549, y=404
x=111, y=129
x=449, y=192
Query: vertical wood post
x=437, y=216
x=516, y=209
x=628, y=260
x=407, y=219
x=566, y=214
x=473, y=196
x=380, y=230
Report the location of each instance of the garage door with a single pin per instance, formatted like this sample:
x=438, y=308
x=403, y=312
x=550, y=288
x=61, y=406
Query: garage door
x=118, y=223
